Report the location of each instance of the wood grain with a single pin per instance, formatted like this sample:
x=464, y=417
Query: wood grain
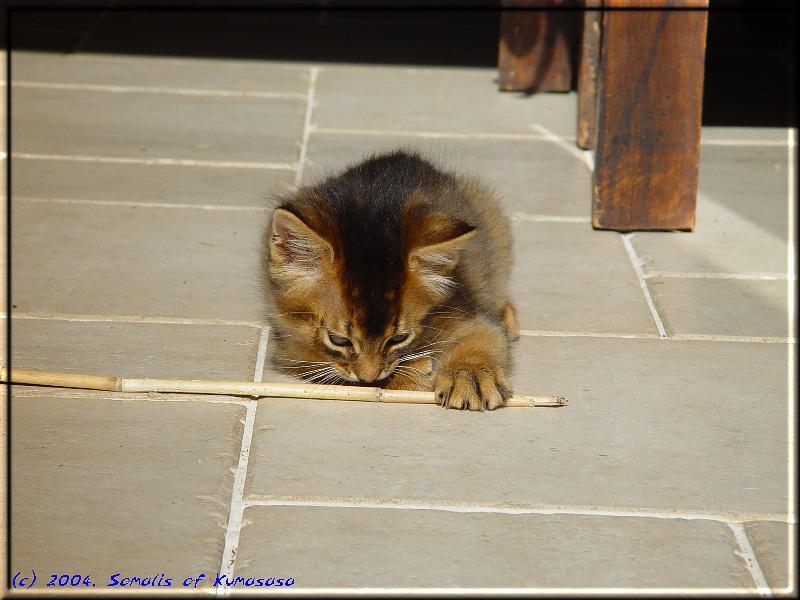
x=649, y=107
x=538, y=47
x=587, y=74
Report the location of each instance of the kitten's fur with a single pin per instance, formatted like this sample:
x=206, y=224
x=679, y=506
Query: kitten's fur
x=389, y=247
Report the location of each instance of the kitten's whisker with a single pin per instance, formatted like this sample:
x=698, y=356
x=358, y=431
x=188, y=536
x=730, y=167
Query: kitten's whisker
x=307, y=362
x=455, y=308
x=324, y=373
x=328, y=377
x=405, y=359
x=432, y=327
x=320, y=371
x=446, y=312
x=407, y=369
x=412, y=377
x=428, y=345
x=433, y=358
x=420, y=355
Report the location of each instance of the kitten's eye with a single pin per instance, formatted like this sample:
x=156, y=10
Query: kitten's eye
x=338, y=340
x=397, y=339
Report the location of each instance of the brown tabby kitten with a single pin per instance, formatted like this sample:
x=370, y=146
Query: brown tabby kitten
x=394, y=273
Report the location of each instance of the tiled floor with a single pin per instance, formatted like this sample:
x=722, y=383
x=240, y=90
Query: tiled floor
x=138, y=186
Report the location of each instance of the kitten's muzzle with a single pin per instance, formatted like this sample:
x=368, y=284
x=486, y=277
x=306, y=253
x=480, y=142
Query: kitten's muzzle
x=378, y=379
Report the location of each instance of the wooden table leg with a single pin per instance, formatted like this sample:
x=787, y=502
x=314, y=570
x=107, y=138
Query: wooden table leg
x=537, y=47
x=587, y=74
x=649, y=106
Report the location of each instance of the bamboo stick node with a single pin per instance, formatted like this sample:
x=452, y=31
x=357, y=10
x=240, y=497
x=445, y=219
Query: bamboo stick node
x=245, y=388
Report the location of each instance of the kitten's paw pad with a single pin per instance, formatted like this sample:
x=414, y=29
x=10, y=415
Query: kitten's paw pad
x=479, y=390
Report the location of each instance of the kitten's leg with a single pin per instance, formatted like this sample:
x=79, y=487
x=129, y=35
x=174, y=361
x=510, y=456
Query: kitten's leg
x=474, y=371
x=510, y=322
x=413, y=375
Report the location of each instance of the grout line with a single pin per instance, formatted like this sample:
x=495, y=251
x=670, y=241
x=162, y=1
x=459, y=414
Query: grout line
x=261, y=356
x=747, y=553
x=482, y=72
x=588, y=160
x=123, y=89
x=429, y=134
x=509, y=508
x=234, y=528
x=235, y=517
x=35, y=316
x=518, y=216
x=743, y=142
x=279, y=65
x=758, y=339
x=301, y=161
x=571, y=148
x=791, y=301
x=683, y=337
x=184, y=62
x=173, y=162
x=637, y=267
x=585, y=155
x=79, y=201
x=595, y=334
x=766, y=276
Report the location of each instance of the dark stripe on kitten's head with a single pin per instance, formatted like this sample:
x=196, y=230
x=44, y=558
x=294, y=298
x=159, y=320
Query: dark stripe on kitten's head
x=372, y=214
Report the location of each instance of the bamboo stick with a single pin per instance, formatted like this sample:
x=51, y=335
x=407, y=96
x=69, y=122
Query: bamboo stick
x=245, y=388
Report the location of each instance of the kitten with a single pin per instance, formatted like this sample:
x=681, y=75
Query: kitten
x=394, y=273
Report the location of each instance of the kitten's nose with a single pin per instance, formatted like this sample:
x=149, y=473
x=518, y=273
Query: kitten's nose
x=369, y=372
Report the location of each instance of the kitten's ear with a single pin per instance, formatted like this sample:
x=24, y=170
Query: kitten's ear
x=296, y=250
x=434, y=263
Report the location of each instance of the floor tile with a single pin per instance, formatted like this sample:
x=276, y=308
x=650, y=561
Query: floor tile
x=567, y=277
x=427, y=102
x=630, y=400
x=520, y=171
x=157, y=125
x=437, y=549
x=120, y=260
x=109, y=182
x=136, y=349
x=158, y=72
x=741, y=217
x=138, y=488
x=770, y=540
x=745, y=134
x=722, y=306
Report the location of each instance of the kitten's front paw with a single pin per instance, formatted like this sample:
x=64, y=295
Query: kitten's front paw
x=481, y=389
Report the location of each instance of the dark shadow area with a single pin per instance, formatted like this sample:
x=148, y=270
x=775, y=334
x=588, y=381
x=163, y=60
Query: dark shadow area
x=750, y=66
x=448, y=38
x=750, y=58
